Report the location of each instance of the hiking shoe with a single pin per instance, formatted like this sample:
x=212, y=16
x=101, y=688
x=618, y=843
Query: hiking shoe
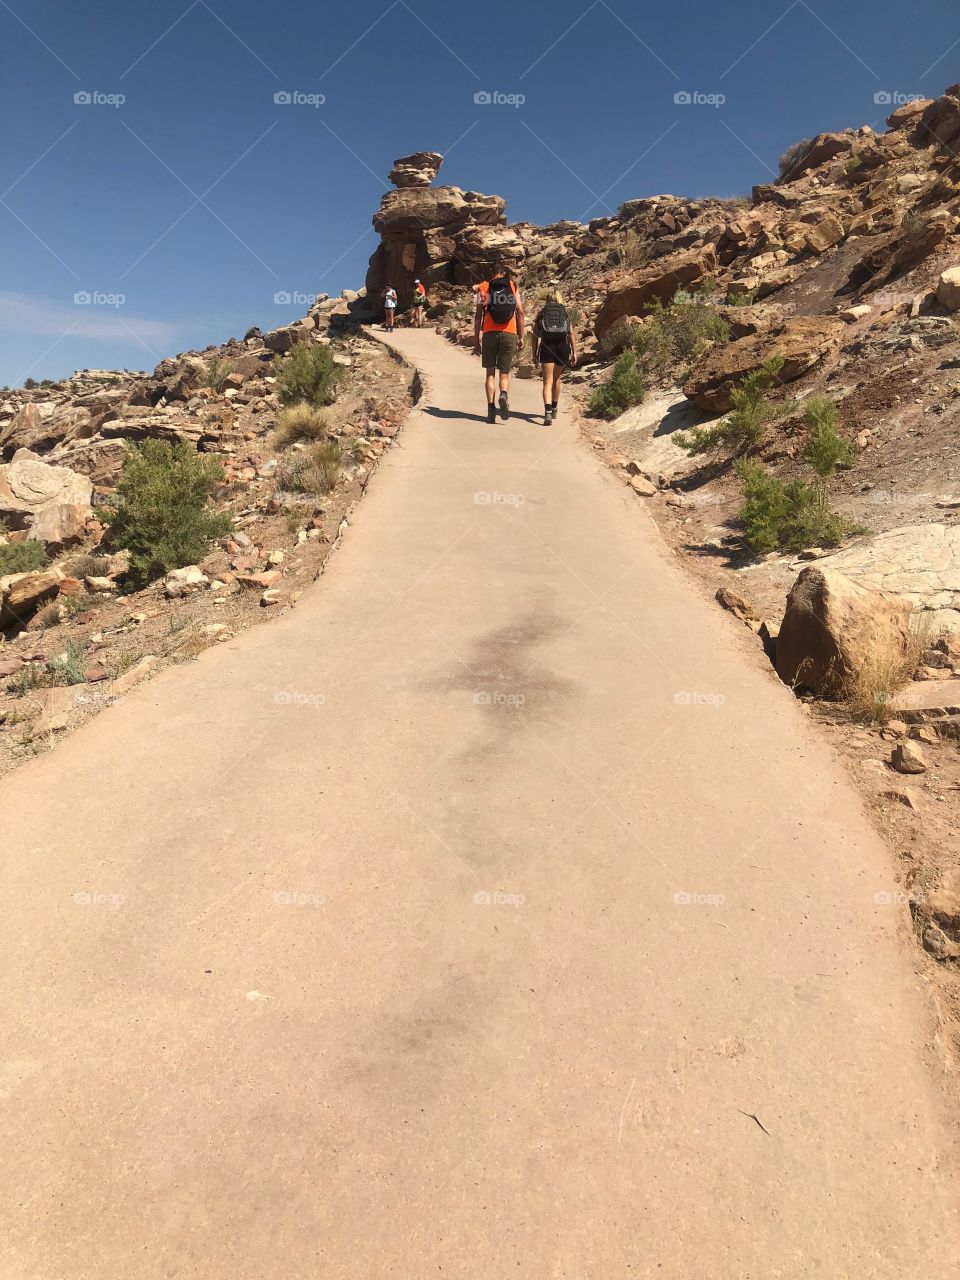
x=504, y=406
x=547, y=416
x=491, y=414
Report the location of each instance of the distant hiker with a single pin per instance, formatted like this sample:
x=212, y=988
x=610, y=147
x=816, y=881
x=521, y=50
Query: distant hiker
x=419, y=304
x=498, y=334
x=554, y=349
x=389, y=306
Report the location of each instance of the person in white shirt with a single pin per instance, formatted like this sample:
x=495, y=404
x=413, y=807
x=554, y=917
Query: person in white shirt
x=389, y=306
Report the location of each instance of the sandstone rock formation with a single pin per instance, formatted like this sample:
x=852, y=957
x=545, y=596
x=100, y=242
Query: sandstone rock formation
x=833, y=626
x=630, y=295
x=435, y=234
x=802, y=342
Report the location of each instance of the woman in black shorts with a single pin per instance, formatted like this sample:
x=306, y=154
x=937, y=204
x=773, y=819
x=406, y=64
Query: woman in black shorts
x=554, y=349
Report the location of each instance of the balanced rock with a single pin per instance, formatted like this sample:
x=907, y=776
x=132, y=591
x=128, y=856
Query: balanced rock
x=418, y=170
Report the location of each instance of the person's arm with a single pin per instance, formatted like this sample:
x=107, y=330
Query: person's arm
x=520, y=319
x=477, y=322
x=573, y=346
x=535, y=340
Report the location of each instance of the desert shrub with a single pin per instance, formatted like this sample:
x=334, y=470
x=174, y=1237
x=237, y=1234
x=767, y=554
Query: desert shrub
x=87, y=566
x=29, y=384
x=621, y=336
x=22, y=557
x=67, y=667
x=215, y=372
x=312, y=470
x=826, y=448
x=623, y=388
x=739, y=297
x=300, y=422
x=630, y=249
x=308, y=374
x=687, y=325
x=743, y=429
x=794, y=153
x=160, y=510
x=789, y=515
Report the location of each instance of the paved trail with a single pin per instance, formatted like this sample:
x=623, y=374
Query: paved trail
x=490, y=914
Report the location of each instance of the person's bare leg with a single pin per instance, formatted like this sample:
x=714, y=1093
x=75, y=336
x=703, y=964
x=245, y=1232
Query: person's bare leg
x=557, y=375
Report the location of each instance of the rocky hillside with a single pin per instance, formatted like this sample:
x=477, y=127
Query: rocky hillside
x=75, y=630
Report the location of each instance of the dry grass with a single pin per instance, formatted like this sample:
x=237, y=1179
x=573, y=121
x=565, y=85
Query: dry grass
x=300, y=422
x=313, y=470
x=885, y=670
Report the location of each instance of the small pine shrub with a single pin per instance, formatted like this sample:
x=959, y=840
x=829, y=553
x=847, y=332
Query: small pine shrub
x=790, y=515
x=22, y=557
x=314, y=470
x=624, y=388
x=160, y=510
x=743, y=429
x=308, y=374
x=826, y=448
x=300, y=422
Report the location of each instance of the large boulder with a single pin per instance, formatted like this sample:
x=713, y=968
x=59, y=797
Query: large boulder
x=825, y=146
x=833, y=627
x=22, y=594
x=418, y=170
x=948, y=289
x=906, y=117
x=632, y=294
x=802, y=342
x=30, y=486
x=939, y=123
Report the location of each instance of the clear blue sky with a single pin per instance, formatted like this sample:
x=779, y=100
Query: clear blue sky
x=200, y=198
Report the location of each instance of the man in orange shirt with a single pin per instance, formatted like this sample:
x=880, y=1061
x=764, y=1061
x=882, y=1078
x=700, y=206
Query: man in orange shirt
x=498, y=334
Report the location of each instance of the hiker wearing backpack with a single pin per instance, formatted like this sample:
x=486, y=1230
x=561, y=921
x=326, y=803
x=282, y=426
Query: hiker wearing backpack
x=389, y=307
x=419, y=304
x=498, y=335
x=554, y=349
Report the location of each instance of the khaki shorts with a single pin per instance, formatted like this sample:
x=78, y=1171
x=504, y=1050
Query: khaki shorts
x=498, y=350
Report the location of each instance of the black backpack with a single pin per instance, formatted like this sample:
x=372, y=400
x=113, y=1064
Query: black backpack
x=501, y=301
x=554, y=321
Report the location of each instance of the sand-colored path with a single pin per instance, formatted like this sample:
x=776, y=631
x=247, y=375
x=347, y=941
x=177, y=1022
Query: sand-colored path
x=468, y=921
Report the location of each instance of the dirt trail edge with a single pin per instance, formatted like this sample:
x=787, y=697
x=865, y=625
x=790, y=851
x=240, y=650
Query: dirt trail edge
x=490, y=914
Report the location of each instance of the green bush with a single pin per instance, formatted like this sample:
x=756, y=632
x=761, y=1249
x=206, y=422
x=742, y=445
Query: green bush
x=309, y=374
x=826, y=448
x=22, y=557
x=789, y=515
x=624, y=388
x=312, y=470
x=67, y=667
x=160, y=509
x=687, y=326
x=741, y=297
x=743, y=429
x=215, y=372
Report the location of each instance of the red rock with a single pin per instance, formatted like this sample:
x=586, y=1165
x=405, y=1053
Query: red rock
x=94, y=673
x=262, y=580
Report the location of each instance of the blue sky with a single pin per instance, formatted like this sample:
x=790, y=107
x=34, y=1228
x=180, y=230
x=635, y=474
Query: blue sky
x=186, y=208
